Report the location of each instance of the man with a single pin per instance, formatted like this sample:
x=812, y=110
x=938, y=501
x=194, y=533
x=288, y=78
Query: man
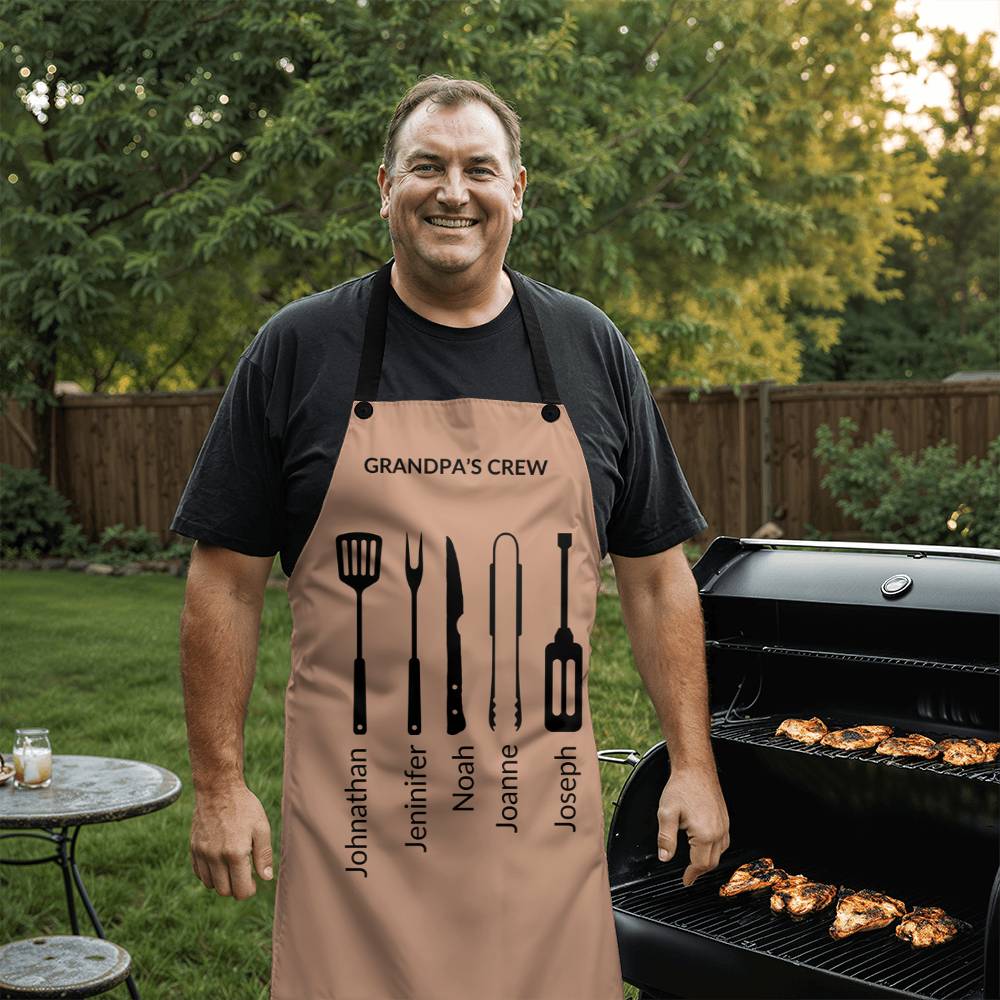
x=442, y=450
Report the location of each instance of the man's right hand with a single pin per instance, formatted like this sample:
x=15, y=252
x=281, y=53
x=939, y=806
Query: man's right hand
x=229, y=827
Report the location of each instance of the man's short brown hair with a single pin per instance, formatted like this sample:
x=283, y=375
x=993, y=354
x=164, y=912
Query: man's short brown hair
x=445, y=90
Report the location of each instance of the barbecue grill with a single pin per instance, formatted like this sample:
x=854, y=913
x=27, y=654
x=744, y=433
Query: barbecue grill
x=903, y=635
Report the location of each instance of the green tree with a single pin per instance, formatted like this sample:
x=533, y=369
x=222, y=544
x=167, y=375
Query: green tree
x=945, y=318
x=707, y=175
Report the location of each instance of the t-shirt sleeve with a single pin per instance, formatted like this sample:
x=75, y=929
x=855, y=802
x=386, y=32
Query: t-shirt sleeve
x=233, y=496
x=655, y=509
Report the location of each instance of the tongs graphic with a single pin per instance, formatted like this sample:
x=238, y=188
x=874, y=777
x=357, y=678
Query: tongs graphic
x=517, y=637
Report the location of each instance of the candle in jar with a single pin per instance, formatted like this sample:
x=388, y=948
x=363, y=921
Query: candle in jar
x=32, y=765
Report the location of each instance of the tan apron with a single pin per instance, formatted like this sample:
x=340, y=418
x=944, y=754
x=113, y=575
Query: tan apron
x=442, y=830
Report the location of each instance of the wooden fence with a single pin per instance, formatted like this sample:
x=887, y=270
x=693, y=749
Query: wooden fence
x=747, y=455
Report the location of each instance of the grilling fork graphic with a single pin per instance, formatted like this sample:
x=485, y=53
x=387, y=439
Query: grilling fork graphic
x=413, y=576
x=358, y=560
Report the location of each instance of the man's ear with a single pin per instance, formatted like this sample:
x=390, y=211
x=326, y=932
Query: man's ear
x=522, y=182
x=384, y=183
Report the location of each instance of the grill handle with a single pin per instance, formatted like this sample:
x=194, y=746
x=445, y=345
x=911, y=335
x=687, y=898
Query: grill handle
x=914, y=550
x=619, y=756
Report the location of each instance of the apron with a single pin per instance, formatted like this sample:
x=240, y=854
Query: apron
x=442, y=830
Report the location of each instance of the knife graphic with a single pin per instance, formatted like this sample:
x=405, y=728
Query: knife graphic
x=453, y=611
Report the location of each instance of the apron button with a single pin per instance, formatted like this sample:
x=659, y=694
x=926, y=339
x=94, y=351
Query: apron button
x=550, y=412
x=364, y=409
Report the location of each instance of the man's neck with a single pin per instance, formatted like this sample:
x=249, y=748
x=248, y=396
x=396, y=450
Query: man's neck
x=462, y=304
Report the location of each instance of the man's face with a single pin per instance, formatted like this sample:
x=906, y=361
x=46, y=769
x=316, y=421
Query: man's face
x=452, y=163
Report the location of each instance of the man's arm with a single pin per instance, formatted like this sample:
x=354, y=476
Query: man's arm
x=218, y=646
x=662, y=614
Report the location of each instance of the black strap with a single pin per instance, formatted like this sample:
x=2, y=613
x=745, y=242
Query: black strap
x=373, y=350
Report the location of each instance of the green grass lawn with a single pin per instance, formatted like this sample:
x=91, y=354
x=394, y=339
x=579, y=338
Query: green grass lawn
x=95, y=659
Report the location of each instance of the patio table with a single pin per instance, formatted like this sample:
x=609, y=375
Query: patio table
x=84, y=790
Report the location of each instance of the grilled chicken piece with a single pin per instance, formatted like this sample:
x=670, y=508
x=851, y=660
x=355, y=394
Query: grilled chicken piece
x=857, y=737
x=756, y=875
x=802, y=898
x=926, y=926
x=804, y=730
x=912, y=745
x=971, y=751
x=864, y=910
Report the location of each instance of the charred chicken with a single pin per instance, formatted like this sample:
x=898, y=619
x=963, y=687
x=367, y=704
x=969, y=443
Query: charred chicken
x=857, y=737
x=927, y=926
x=804, y=730
x=971, y=751
x=913, y=745
x=757, y=875
x=802, y=898
x=864, y=910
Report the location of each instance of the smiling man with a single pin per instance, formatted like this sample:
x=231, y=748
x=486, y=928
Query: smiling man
x=452, y=190
x=442, y=450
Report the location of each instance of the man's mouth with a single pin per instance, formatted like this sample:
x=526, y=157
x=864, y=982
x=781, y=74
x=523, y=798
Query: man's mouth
x=450, y=223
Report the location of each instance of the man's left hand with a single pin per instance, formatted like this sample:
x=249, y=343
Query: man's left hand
x=692, y=801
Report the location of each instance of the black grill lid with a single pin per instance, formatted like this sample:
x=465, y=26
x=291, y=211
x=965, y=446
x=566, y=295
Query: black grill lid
x=933, y=577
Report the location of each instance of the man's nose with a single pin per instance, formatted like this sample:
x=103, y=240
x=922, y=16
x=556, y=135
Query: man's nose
x=453, y=189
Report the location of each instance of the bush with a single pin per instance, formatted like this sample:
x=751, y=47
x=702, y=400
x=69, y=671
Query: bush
x=34, y=523
x=119, y=545
x=926, y=499
x=74, y=543
x=136, y=542
x=33, y=517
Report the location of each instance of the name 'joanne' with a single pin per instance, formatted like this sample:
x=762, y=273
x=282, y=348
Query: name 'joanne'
x=383, y=465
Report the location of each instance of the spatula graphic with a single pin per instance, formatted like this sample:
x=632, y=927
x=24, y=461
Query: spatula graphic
x=359, y=555
x=568, y=655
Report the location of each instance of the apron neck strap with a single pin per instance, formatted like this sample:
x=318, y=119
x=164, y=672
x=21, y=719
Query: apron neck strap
x=373, y=350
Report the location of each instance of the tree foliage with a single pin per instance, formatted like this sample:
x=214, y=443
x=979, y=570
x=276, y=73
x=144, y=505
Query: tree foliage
x=947, y=282
x=712, y=175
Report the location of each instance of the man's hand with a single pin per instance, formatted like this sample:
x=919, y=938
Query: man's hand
x=692, y=800
x=228, y=826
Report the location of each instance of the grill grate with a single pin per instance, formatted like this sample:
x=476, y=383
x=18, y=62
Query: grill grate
x=759, y=730
x=948, y=972
x=846, y=657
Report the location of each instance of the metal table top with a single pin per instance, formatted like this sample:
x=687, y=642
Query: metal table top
x=89, y=790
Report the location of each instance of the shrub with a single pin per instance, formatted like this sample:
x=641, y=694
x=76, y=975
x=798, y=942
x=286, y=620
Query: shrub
x=926, y=499
x=75, y=543
x=33, y=516
x=139, y=543
x=119, y=545
x=34, y=523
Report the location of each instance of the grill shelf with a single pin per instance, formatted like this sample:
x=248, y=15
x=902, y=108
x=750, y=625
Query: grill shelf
x=951, y=971
x=759, y=731
x=845, y=657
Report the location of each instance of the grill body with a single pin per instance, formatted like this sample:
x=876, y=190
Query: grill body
x=796, y=629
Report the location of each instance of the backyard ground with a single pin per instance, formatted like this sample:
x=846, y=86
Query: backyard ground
x=95, y=659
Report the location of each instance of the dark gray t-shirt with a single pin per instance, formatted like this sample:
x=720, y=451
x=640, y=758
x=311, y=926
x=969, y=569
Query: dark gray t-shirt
x=263, y=470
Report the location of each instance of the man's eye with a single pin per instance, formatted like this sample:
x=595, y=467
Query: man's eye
x=432, y=166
